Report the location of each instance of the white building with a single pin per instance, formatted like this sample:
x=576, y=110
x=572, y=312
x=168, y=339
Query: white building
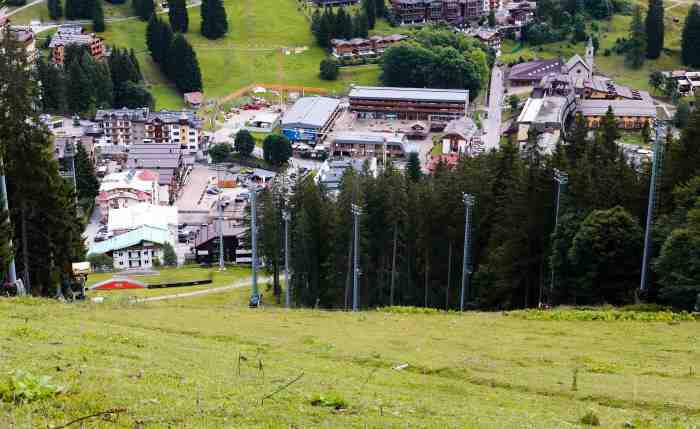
x=119, y=190
x=143, y=214
x=135, y=249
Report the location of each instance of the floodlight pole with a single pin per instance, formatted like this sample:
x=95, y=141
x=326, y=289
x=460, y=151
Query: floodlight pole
x=562, y=178
x=220, y=208
x=12, y=274
x=468, y=200
x=356, y=212
x=657, y=163
x=254, y=239
x=287, y=292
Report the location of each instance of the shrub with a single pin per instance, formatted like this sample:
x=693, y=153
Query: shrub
x=329, y=69
x=603, y=314
x=331, y=401
x=590, y=419
x=22, y=387
x=410, y=310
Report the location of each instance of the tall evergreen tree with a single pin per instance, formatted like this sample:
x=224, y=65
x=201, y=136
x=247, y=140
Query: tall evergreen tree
x=360, y=25
x=690, y=42
x=177, y=13
x=88, y=185
x=98, y=18
x=370, y=9
x=214, y=20
x=655, y=28
x=81, y=91
x=53, y=86
x=153, y=38
x=73, y=9
x=637, y=44
x=413, y=169
x=144, y=9
x=55, y=9
x=186, y=74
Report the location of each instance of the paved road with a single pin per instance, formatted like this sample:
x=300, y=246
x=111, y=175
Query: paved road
x=493, y=123
x=222, y=289
x=3, y=11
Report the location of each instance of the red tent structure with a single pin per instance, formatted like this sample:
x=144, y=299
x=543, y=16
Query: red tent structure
x=118, y=284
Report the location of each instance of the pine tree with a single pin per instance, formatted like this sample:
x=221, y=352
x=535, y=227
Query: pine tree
x=144, y=9
x=55, y=9
x=380, y=7
x=326, y=30
x=360, y=25
x=53, y=86
x=214, y=20
x=655, y=28
x=168, y=60
x=73, y=9
x=5, y=238
x=81, y=95
x=88, y=185
x=316, y=23
x=98, y=18
x=690, y=43
x=104, y=87
x=153, y=38
x=370, y=9
x=244, y=143
x=186, y=74
x=413, y=169
x=177, y=13
x=135, y=63
x=637, y=45
x=87, y=9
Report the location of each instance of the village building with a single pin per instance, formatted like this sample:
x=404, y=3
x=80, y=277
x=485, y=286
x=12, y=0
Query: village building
x=688, y=81
x=194, y=99
x=422, y=104
x=166, y=159
x=123, y=126
x=334, y=3
x=373, y=47
x=461, y=136
x=455, y=12
x=361, y=145
x=331, y=172
x=74, y=35
x=530, y=73
x=136, y=249
x=310, y=118
x=123, y=189
x=134, y=216
x=488, y=36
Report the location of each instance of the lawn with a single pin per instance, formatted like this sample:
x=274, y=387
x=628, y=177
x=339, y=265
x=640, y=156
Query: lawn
x=250, y=53
x=228, y=277
x=210, y=361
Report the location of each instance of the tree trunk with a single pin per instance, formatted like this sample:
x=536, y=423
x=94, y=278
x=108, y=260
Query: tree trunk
x=393, y=266
x=25, y=250
x=449, y=276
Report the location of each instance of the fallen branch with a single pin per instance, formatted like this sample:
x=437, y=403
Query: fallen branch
x=270, y=395
x=100, y=414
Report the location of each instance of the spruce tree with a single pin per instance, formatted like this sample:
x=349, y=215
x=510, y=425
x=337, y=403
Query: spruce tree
x=655, y=28
x=135, y=63
x=87, y=8
x=214, y=20
x=370, y=9
x=413, y=169
x=81, y=95
x=637, y=45
x=55, y=9
x=73, y=9
x=360, y=26
x=326, y=28
x=316, y=24
x=88, y=185
x=98, y=18
x=177, y=13
x=690, y=43
x=5, y=238
x=186, y=74
x=153, y=38
x=145, y=8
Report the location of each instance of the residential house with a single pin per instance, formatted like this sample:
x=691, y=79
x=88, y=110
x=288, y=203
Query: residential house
x=488, y=36
x=134, y=216
x=688, y=81
x=461, y=136
x=363, y=48
x=193, y=99
x=73, y=34
x=123, y=189
x=361, y=145
x=166, y=159
x=123, y=126
x=136, y=249
x=435, y=105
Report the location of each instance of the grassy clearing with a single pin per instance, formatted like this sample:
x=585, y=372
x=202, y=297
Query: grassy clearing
x=250, y=53
x=208, y=362
x=168, y=275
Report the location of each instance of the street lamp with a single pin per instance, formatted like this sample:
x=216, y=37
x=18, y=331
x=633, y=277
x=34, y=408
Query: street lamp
x=469, y=201
x=254, y=296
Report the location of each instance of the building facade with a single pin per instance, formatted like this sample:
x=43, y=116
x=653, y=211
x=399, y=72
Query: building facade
x=120, y=190
x=135, y=249
x=363, y=145
x=456, y=12
x=310, y=118
x=435, y=105
x=373, y=47
x=74, y=35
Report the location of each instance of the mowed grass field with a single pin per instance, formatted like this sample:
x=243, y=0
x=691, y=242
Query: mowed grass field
x=210, y=362
x=250, y=53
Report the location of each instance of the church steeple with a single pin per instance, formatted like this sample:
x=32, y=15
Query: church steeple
x=590, y=52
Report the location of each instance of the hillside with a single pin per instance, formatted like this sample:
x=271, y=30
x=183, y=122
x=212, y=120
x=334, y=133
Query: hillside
x=209, y=361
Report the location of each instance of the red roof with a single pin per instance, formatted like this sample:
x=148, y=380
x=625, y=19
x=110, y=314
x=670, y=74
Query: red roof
x=147, y=175
x=193, y=97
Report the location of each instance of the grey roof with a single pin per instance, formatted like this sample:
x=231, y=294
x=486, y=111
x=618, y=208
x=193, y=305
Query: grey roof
x=534, y=70
x=140, y=114
x=352, y=137
x=574, y=60
x=620, y=107
x=464, y=127
x=310, y=112
x=157, y=148
x=71, y=35
x=410, y=94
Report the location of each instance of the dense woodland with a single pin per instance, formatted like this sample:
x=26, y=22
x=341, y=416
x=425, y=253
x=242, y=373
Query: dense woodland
x=46, y=224
x=174, y=54
x=83, y=85
x=412, y=229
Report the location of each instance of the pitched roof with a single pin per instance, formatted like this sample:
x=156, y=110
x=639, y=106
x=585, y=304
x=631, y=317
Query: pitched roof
x=144, y=214
x=463, y=127
x=411, y=94
x=643, y=108
x=310, y=112
x=132, y=238
x=575, y=60
x=534, y=70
